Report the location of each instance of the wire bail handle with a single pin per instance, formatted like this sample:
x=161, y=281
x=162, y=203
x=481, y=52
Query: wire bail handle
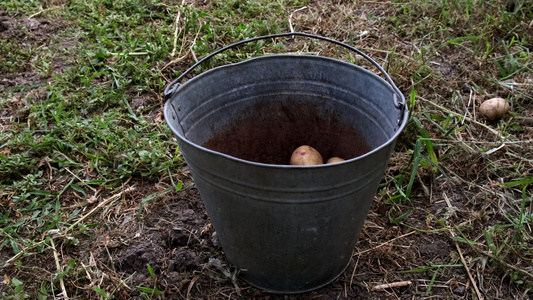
x=173, y=86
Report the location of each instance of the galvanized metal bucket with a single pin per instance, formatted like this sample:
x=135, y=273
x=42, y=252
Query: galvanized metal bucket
x=289, y=229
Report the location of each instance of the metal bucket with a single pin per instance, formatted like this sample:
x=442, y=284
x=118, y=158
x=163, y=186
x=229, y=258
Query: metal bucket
x=288, y=229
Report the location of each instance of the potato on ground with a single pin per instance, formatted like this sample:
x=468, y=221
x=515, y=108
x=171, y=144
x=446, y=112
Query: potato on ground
x=494, y=109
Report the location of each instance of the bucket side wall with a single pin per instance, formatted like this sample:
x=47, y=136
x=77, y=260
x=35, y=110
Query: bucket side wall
x=291, y=236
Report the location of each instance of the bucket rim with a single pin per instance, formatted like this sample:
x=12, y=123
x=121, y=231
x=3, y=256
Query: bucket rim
x=169, y=111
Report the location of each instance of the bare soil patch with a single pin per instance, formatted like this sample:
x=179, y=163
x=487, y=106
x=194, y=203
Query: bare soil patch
x=177, y=240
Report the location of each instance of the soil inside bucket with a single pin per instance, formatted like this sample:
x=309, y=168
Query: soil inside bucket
x=270, y=131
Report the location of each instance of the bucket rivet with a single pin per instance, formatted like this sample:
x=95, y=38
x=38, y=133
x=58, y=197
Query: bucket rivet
x=173, y=115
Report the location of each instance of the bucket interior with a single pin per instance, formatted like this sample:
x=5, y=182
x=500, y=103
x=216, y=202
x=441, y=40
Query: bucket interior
x=262, y=109
x=268, y=131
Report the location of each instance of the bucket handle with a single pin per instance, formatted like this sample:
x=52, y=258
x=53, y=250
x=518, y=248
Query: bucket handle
x=399, y=101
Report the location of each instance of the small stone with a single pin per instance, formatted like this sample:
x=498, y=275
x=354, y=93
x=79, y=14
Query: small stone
x=460, y=290
x=214, y=240
x=138, y=103
x=175, y=276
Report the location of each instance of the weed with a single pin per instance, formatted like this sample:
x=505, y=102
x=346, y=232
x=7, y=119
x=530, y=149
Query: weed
x=435, y=269
x=17, y=290
x=515, y=60
x=146, y=291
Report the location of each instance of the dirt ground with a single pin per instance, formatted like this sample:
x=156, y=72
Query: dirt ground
x=177, y=240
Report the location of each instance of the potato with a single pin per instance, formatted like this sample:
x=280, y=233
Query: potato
x=334, y=159
x=306, y=156
x=494, y=109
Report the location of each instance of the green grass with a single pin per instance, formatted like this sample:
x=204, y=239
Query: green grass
x=72, y=133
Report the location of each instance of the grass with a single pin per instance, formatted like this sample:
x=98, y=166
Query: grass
x=81, y=86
